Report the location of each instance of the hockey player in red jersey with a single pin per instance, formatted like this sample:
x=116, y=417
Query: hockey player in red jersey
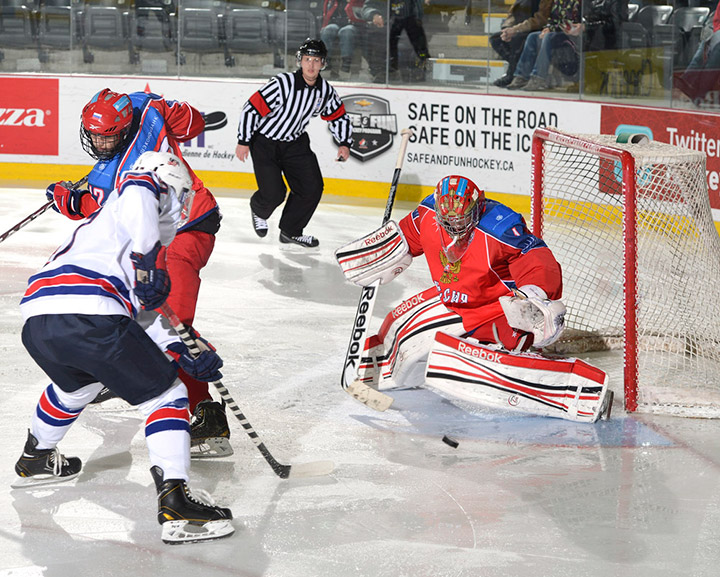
x=115, y=130
x=496, y=284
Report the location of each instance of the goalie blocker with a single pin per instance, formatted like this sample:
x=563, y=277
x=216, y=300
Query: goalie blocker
x=381, y=255
x=566, y=388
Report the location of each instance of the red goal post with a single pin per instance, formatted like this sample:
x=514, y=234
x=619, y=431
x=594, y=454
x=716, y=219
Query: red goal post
x=632, y=227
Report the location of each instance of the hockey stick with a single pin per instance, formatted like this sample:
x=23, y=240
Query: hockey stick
x=313, y=469
x=359, y=390
x=28, y=219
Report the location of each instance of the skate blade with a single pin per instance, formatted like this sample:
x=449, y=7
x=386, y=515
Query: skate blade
x=178, y=532
x=314, y=469
x=211, y=448
x=40, y=480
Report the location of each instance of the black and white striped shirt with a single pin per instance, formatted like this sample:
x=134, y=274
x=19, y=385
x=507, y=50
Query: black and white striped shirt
x=282, y=109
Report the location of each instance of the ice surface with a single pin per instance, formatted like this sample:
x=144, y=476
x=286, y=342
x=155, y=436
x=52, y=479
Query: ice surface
x=520, y=496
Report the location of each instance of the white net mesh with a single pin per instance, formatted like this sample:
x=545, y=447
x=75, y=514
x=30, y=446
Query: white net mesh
x=677, y=266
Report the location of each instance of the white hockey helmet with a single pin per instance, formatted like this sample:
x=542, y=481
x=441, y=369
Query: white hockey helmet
x=171, y=171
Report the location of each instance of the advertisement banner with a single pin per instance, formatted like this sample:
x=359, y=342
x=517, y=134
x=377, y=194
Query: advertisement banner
x=684, y=129
x=486, y=137
x=29, y=116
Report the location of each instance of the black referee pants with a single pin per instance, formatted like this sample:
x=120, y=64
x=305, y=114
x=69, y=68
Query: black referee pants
x=274, y=158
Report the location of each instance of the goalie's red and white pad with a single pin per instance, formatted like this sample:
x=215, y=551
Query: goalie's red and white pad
x=566, y=388
x=383, y=254
x=405, y=337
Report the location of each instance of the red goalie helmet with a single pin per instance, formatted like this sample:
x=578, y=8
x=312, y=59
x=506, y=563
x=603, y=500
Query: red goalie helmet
x=459, y=203
x=105, y=124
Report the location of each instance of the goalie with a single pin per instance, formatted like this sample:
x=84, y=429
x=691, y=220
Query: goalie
x=497, y=291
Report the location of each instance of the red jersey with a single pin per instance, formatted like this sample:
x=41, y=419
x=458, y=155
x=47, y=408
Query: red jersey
x=501, y=255
x=159, y=125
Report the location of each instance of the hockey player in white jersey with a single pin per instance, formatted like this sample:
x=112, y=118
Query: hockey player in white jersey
x=80, y=328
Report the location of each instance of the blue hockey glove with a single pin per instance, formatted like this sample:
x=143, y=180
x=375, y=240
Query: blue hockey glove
x=152, y=283
x=205, y=367
x=66, y=200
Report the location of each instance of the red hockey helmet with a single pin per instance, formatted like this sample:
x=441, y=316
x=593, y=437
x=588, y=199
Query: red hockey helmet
x=105, y=124
x=459, y=203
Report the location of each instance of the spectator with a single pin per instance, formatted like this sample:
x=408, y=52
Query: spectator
x=598, y=31
x=340, y=22
x=404, y=15
x=534, y=64
x=701, y=75
x=524, y=17
x=601, y=23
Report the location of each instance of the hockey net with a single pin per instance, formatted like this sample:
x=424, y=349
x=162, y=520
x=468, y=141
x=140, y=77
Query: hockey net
x=632, y=228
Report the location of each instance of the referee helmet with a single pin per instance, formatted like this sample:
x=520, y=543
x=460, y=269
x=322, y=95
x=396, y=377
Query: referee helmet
x=312, y=47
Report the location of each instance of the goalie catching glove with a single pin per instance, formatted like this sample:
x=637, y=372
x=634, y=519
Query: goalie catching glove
x=531, y=311
x=152, y=283
x=205, y=367
x=381, y=255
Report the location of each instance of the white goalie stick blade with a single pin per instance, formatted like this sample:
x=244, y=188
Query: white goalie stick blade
x=565, y=388
x=177, y=532
x=369, y=396
x=363, y=393
x=314, y=469
x=40, y=481
x=211, y=448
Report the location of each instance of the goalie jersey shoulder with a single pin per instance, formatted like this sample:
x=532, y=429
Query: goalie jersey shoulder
x=508, y=227
x=427, y=205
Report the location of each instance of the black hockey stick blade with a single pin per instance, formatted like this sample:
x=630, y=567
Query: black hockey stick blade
x=215, y=120
x=283, y=471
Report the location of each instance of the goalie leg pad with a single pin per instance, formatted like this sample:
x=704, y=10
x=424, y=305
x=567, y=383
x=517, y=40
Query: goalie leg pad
x=566, y=388
x=405, y=338
x=383, y=254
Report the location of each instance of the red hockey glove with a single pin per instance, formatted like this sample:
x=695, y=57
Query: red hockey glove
x=67, y=200
x=152, y=283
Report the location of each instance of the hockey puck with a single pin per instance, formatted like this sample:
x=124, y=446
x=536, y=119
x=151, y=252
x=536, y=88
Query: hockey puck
x=450, y=441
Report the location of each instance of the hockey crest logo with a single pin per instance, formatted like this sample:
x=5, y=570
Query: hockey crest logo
x=373, y=125
x=450, y=269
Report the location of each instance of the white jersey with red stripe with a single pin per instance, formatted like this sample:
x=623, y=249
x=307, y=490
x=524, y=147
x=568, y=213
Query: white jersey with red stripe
x=91, y=272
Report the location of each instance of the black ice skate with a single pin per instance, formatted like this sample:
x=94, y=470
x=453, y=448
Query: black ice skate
x=187, y=517
x=209, y=431
x=43, y=466
x=304, y=240
x=260, y=225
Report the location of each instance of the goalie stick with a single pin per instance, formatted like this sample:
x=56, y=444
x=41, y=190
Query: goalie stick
x=358, y=390
x=28, y=219
x=313, y=469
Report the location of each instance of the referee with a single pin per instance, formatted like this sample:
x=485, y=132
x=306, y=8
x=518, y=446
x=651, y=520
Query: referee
x=272, y=130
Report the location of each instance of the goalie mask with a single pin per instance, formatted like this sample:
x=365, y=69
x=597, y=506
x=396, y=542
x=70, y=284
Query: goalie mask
x=105, y=124
x=171, y=172
x=459, y=203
